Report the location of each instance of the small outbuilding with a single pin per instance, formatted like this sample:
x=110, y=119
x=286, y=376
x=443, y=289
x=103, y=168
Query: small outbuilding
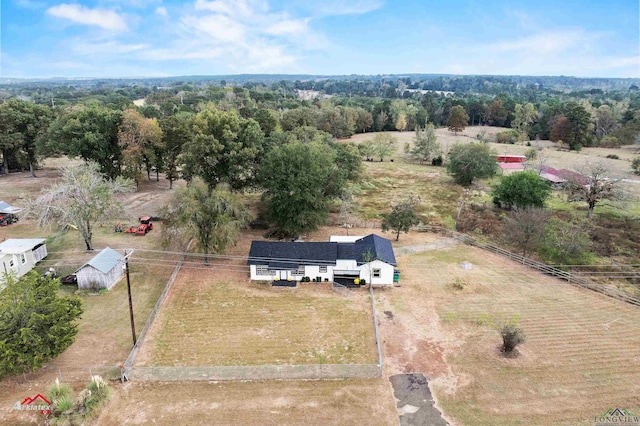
x=103, y=271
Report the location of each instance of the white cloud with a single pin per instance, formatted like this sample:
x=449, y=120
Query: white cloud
x=102, y=18
x=97, y=47
x=344, y=7
x=292, y=26
x=575, y=52
x=162, y=11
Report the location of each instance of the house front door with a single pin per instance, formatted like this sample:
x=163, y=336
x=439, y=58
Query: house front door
x=282, y=275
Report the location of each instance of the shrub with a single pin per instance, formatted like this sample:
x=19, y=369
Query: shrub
x=458, y=283
x=363, y=281
x=531, y=154
x=613, y=157
x=512, y=336
x=437, y=161
x=635, y=165
x=482, y=136
x=507, y=136
x=59, y=390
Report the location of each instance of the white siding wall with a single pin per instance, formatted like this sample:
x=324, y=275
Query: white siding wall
x=386, y=273
x=23, y=268
x=313, y=271
x=90, y=277
x=255, y=276
x=346, y=264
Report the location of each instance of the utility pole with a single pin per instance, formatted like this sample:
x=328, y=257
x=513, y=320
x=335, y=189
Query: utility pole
x=126, y=268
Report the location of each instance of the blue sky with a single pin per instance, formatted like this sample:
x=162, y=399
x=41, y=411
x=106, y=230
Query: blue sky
x=120, y=38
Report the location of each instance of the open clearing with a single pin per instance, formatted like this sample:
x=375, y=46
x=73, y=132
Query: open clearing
x=582, y=354
x=210, y=320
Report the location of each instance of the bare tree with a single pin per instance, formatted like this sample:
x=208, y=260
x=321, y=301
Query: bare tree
x=594, y=185
x=524, y=228
x=81, y=198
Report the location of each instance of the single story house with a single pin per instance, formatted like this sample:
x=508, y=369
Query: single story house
x=102, y=271
x=20, y=255
x=369, y=258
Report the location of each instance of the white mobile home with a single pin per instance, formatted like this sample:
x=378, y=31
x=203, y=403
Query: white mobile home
x=20, y=255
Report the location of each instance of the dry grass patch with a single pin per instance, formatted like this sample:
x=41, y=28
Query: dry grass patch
x=210, y=320
x=581, y=357
x=335, y=402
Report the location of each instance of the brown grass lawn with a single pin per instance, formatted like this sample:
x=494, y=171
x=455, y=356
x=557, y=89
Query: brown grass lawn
x=213, y=318
x=334, y=402
x=581, y=357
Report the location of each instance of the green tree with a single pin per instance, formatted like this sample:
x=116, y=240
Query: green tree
x=300, y=180
x=635, y=165
x=579, y=121
x=176, y=131
x=425, y=144
x=36, y=324
x=384, y=145
x=401, y=217
x=471, y=161
x=81, y=197
x=565, y=243
x=225, y=148
x=22, y=127
x=214, y=217
x=458, y=119
x=89, y=132
x=521, y=190
x=524, y=116
x=140, y=140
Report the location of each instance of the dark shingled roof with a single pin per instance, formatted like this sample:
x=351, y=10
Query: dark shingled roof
x=289, y=255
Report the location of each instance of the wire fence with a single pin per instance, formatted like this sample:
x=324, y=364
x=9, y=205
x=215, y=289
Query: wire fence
x=152, y=316
x=48, y=374
x=340, y=289
x=554, y=271
x=256, y=372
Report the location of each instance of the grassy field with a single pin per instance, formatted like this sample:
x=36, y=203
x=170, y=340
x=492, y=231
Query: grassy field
x=333, y=402
x=581, y=357
x=209, y=320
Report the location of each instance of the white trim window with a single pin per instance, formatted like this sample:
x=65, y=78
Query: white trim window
x=23, y=258
x=322, y=269
x=299, y=272
x=264, y=270
x=377, y=273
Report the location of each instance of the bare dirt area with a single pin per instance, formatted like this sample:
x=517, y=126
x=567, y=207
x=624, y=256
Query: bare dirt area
x=212, y=316
x=335, y=402
x=581, y=357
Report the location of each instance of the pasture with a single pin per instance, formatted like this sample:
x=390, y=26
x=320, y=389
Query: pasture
x=581, y=357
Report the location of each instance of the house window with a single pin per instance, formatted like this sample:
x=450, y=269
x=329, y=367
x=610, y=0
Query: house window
x=323, y=270
x=23, y=259
x=264, y=270
x=11, y=263
x=299, y=271
x=376, y=273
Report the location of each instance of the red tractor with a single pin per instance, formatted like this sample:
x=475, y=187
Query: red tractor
x=142, y=229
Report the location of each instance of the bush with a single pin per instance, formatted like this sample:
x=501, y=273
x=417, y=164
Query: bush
x=59, y=390
x=507, y=136
x=458, y=283
x=437, y=161
x=613, y=157
x=363, y=281
x=531, y=154
x=512, y=336
x=635, y=165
